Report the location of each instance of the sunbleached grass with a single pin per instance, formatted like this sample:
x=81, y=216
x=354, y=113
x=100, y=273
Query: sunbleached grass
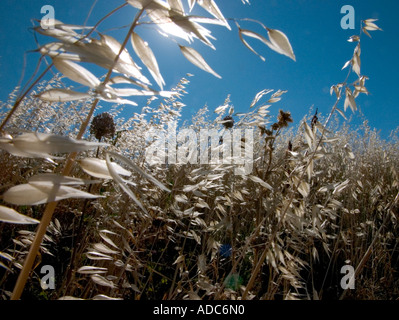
x=178, y=250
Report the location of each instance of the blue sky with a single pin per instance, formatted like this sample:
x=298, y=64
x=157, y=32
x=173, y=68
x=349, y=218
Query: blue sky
x=313, y=27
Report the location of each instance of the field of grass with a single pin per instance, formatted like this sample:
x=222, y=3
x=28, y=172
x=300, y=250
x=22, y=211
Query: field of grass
x=320, y=195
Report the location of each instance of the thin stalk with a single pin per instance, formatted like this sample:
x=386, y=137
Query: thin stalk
x=89, y=14
x=101, y=20
x=49, y=211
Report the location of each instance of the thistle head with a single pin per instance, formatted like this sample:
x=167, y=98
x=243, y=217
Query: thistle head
x=284, y=118
x=103, y=125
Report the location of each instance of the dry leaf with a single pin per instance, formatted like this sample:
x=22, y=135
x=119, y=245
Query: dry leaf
x=91, y=270
x=213, y=9
x=304, y=188
x=261, y=182
x=76, y=72
x=195, y=58
x=98, y=168
x=349, y=100
x=191, y=4
x=115, y=176
x=147, y=56
x=104, y=297
x=100, y=280
x=11, y=216
x=176, y=5
x=241, y=32
x=259, y=95
x=178, y=260
x=104, y=249
x=43, y=143
x=94, y=255
x=370, y=25
x=34, y=194
x=280, y=43
x=309, y=136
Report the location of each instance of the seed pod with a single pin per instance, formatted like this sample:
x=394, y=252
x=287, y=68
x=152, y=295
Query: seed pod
x=103, y=125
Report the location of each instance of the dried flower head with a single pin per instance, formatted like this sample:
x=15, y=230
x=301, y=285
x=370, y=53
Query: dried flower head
x=284, y=118
x=103, y=125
